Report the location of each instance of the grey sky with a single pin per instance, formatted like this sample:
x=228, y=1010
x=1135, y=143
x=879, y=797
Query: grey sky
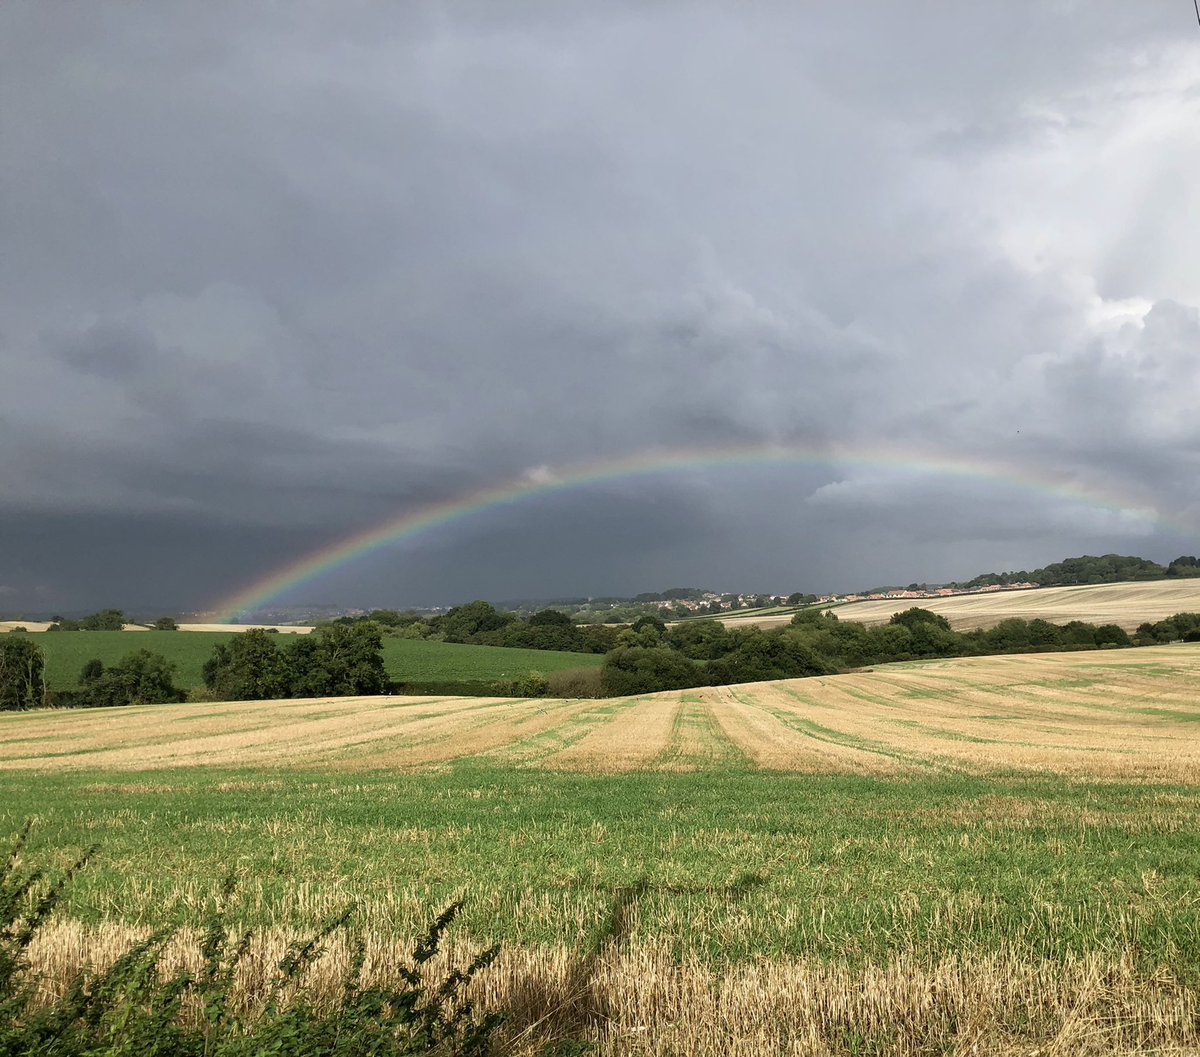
x=270, y=277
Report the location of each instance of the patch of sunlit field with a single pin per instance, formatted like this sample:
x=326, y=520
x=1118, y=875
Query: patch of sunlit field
x=1126, y=605
x=995, y=852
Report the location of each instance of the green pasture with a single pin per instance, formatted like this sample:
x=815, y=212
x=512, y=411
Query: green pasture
x=409, y=660
x=418, y=660
x=68, y=651
x=733, y=864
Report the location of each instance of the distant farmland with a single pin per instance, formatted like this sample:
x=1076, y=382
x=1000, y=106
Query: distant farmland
x=410, y=660
x=1127, y=605
x=1095, y=715
x=987, y=855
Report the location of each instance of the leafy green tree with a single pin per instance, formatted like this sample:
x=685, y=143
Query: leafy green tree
x=248, y=667
x=105, y=620
x=1043, y=634
x=551, y=618
x=889, y=642
x=643, y=670
x=649, y=623
x=22, y=674
x=814, y=616
x=700, y=640
x=340, y=660
x=139, y=678
x=764, y=656
x=1009, y=636
x=1184, y=565
x=1112, y=635
x=165, y=624
x=462, y=622
x=915, y=616
x=1078, y=633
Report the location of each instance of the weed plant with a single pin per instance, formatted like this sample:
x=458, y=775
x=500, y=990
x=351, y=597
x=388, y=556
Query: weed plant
x=137, y=1007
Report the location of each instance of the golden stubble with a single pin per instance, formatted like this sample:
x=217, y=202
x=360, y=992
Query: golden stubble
x=1121, y=714
x=1127, y=605
x=640, y=1000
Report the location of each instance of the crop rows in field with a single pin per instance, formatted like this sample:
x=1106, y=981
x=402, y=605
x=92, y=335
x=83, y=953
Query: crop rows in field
x=1117, y=714
x=992, y=855
x=1126, y=605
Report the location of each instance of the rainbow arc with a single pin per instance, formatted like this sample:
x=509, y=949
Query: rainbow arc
x=415, y=523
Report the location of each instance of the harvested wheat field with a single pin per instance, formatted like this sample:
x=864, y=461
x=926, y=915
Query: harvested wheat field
x=986, y=855
x=1118, y=714
x=1126, y=605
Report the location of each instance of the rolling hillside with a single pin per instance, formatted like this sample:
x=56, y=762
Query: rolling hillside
x=1097, y=715
x=1128, y=605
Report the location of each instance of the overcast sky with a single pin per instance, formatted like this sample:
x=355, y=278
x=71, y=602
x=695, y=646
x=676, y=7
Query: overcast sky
x=271, y=274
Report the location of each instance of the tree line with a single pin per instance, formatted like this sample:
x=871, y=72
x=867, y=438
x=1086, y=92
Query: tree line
x=346, y=658
x=650, y=656
x=1090, y=569
x=336, y=661
x=107, y=620
x=480, y=623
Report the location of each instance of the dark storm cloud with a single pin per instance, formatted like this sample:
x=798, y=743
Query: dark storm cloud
x=298, y=276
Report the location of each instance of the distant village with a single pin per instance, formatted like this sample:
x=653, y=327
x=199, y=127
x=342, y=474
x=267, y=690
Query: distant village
x=706, y=602
x=678, y=606
x=933, y=592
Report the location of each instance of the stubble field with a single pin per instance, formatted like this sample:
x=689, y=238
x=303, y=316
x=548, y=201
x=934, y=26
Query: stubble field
x=999, y=853
x=1126, y=605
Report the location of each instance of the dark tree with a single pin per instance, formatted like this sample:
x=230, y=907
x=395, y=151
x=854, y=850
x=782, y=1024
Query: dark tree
x=649, y=622
x=461, y=622
x=22, y=674
x=551, y=618
x=105, y=620
x=249, y=667
x=764, y=656
x=915, y=616
x=140, y=678
x=338, y=661
x=643, y=670
x=700, y=640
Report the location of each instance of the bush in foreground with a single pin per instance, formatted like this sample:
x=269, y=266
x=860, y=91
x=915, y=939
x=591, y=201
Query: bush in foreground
x=136, y=1007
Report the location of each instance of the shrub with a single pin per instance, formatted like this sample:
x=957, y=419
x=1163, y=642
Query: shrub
x=531, y=684
x=141, y=678
x=576, y=682
x=136, y=1008
x=645, y=670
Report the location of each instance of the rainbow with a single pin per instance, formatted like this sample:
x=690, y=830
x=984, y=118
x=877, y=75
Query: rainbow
x=545, y=480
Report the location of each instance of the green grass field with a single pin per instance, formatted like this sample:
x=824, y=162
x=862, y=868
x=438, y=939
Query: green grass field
x=416, y=660
x=735, y=864
x=405, y=659
x=68, y=651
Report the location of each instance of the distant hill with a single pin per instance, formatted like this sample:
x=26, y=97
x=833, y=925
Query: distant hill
x=1088, y=569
